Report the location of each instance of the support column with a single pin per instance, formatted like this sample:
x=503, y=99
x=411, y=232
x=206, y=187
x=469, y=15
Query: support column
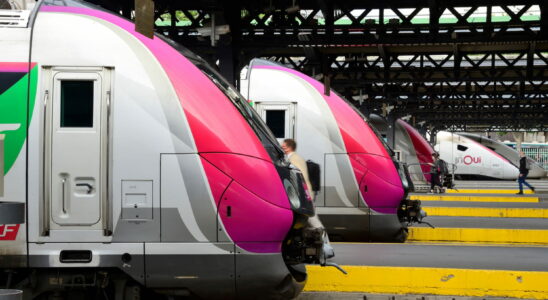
x=391, y=131
x=227, y=65
x=518, y=137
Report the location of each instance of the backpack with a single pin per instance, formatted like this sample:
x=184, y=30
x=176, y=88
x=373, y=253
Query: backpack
x=313, y=175
x=443, y=169
x=527, y=164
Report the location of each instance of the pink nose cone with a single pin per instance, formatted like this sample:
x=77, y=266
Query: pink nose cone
x=380, y=184
x=254, y=223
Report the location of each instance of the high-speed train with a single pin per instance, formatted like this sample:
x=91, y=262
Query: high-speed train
x=414, y=149
x=472, y=159
x=362, y=187
x=535, y=171
x=140, y=168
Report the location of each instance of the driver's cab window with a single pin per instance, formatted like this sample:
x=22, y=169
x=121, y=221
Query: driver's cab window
x=280, y=117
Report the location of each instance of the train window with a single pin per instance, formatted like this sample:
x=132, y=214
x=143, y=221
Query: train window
x=275, y=119
x=462, y=148
x=76, y=103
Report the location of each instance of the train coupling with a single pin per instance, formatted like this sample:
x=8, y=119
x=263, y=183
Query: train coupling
x=410, y=211
x=327, y=253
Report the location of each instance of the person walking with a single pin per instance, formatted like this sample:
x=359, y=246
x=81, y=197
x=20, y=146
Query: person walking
x=289, y=146
x=435, y=172
x=523, y=172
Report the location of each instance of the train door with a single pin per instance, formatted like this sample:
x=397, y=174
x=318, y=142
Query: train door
x=280, y=118
x=76, y=147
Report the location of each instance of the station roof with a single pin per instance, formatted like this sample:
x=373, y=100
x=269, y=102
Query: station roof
x=459, y=64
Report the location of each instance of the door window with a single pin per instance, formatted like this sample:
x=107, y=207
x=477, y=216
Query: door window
x=462, y=148
x=77, y=103
x=275, y=119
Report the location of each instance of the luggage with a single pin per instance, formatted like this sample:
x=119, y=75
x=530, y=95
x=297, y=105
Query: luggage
x=443, y=169
x=314, y=174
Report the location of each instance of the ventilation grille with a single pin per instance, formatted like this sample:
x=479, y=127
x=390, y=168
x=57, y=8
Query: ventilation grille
x=14, y=18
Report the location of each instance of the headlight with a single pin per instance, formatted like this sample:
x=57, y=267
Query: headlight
x=292, y=194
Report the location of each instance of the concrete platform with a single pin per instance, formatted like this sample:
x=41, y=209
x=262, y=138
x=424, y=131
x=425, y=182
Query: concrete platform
x=486, y=244
x=371, y=296
x=435, y=269
x=443, y=255
x=477, y=222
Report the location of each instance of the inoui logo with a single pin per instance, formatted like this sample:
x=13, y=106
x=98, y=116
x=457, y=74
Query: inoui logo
x=468, y=160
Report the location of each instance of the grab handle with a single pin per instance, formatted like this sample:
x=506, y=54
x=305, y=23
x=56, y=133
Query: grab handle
x=63, y=182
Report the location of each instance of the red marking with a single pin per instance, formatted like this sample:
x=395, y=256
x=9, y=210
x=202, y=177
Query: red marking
x=8, y=232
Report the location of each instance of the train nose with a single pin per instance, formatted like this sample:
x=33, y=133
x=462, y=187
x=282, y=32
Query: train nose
x=266, y=210
x=380, y=184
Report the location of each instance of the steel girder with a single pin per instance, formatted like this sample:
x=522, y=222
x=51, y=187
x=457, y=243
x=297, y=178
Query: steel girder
x=485, y=71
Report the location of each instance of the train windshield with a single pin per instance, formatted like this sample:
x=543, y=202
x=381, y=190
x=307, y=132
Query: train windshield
x=268, y=140
x=265, y=135
x=379, y=136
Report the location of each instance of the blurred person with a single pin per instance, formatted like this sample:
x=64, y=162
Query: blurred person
x=289, y=146
x=523, y=172
x=435, y=172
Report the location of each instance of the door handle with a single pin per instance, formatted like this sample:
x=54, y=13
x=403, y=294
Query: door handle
x=63, y=182
x=229, y=211
x=89, y=186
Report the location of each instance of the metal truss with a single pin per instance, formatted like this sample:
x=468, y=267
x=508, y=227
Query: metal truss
x=327, y=23
x=398, y=56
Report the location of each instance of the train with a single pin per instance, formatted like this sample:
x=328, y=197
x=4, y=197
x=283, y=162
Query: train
x=472, y=159
x=131, y=167
x=535, y=171
x=363, y=188
x=413, y=149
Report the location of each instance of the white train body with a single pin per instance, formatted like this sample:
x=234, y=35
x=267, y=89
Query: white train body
x=535, y=169
x=133, y=157
x=473, y=159
x=361, y=188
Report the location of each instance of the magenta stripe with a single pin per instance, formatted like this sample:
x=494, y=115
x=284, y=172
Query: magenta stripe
x=15, y=67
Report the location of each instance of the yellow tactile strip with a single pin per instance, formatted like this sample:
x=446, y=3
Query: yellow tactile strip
x=487, y=191
x=437, y=281
x=493, y=212
x=474, y=198
x=479, y=235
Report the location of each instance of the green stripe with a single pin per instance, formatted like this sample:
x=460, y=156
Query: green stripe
x=13, y=110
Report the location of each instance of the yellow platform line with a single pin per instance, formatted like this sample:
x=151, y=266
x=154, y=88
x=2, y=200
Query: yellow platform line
x=474, y=198
x=437, y=281
x=494, y=212
x=487, y=191
x=479, y=235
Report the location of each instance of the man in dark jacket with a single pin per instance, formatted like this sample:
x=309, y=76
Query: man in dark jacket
x=523, y=172
x=435, y=172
